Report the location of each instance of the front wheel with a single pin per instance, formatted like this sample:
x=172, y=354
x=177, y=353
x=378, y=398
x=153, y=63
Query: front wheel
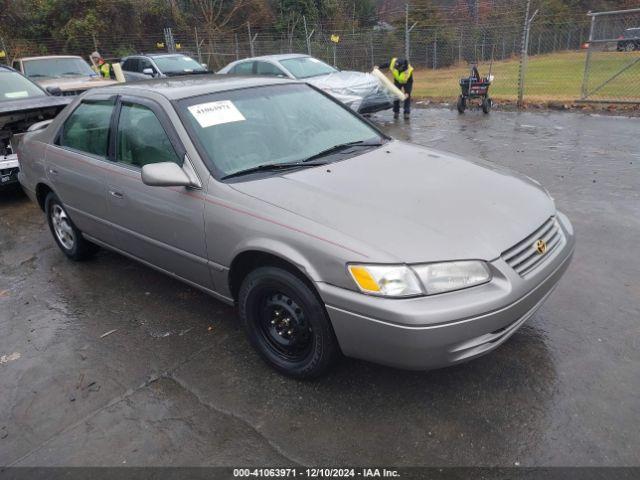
x=65, y=233
x=486, y=105
x=287, y=323
x=630, y=47
x=462, y=104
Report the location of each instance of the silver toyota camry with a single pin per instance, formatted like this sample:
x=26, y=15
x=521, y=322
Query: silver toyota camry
x=329, y=236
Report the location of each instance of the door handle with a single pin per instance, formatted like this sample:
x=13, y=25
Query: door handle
x=53, y=171
x=116, y=194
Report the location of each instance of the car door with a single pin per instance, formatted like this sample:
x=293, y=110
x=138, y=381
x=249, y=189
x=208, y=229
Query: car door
x=77, y=161
x=161, y=225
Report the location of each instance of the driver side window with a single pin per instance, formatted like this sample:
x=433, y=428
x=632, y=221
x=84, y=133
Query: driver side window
x=141, y=139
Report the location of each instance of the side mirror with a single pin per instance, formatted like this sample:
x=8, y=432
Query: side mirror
x=205, y=66
x=148, y=71
x=165, y=174
x=53, y=90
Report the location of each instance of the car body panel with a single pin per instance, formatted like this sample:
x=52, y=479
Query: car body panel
x=361, y=91
x=68, y=85
x=398, y=203
x=136, y=76
x=469, y=217
x=17, y=116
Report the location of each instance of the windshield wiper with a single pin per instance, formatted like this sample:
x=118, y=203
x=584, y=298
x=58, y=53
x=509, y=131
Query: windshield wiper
x=270, y=167
x=340, y=147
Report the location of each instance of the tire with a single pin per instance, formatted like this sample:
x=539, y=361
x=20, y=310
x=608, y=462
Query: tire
x=462, y=104
x=629, y=47
x=286, y=323
x=486, y=105
x=65, y=233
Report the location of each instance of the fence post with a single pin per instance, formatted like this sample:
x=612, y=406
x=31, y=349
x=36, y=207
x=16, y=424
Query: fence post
x=253, y=53
x=237, y=47
x=587, y=61
x=435, y=51
x=503, y=47
x=199, y=53
x=523, y=55
x=373, y=57
x=460, y=48
x=406, y=31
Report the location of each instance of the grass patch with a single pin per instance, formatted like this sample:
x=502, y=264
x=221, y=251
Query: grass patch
x=551, y=77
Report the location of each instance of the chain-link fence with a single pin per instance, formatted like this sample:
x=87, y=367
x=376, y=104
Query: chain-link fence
x=441, y=54
x=612, y=65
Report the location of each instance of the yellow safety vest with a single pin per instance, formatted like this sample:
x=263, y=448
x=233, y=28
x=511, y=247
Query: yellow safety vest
x=105, y=70
x=398, y=76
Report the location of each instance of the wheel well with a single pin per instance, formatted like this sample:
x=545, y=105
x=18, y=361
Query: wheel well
x=42, y=190
x=248, y=261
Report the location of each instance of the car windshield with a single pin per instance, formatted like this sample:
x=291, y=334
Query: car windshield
x=306, y=67
x=57, y=68
x=14, y=86
x=244, y=129
x=178, y=64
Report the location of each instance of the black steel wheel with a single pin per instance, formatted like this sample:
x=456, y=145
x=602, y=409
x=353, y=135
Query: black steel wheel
x=64, y=231
x=462, y=104
x=287, y=323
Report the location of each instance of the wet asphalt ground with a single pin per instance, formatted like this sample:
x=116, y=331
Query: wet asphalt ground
x=176, y=383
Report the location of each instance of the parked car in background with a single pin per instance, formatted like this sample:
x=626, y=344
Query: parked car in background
x=330, y=236
x=23, y=105
x=360, y=91
x=70, y=73
x=629, y=40
x=159, y=65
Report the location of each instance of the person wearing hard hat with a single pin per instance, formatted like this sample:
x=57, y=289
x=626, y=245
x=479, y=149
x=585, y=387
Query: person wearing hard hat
x=403, y=79
x=100, y=66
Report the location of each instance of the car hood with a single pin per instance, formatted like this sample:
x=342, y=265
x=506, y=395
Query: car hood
x=413, y=203
x=74, y=83
x=36, y=107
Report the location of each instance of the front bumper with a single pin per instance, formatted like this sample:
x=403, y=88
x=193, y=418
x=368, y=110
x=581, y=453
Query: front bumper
x=9, y=168
x=431, y=332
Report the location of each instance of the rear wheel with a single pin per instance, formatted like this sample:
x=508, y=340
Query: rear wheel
x=286, y=323
x=462, y=104
x=65, y=233
x=486, y=104
x=630, y=47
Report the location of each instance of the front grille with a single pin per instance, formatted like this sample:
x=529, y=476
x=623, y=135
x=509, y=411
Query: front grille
x=524, y=257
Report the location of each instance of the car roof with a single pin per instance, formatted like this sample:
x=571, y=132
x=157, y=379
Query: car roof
x=176, y=88
x=45, y=57
x=278, y=57
x=156, y=55
x=6, y=68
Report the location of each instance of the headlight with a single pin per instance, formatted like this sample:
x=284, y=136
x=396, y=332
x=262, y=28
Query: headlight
x=448, y=276
x=386, y=280
x=428, y=279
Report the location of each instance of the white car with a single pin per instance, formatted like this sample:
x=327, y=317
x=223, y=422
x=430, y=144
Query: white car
x=360, y=91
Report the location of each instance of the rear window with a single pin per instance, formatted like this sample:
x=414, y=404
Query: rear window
x=14, y=86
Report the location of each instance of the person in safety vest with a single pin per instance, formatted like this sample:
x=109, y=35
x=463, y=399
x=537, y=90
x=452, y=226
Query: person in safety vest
x=100, y=66
x=403, y=79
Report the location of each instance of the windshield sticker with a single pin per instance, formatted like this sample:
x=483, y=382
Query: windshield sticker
x=216, y=113
x=20, y=94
